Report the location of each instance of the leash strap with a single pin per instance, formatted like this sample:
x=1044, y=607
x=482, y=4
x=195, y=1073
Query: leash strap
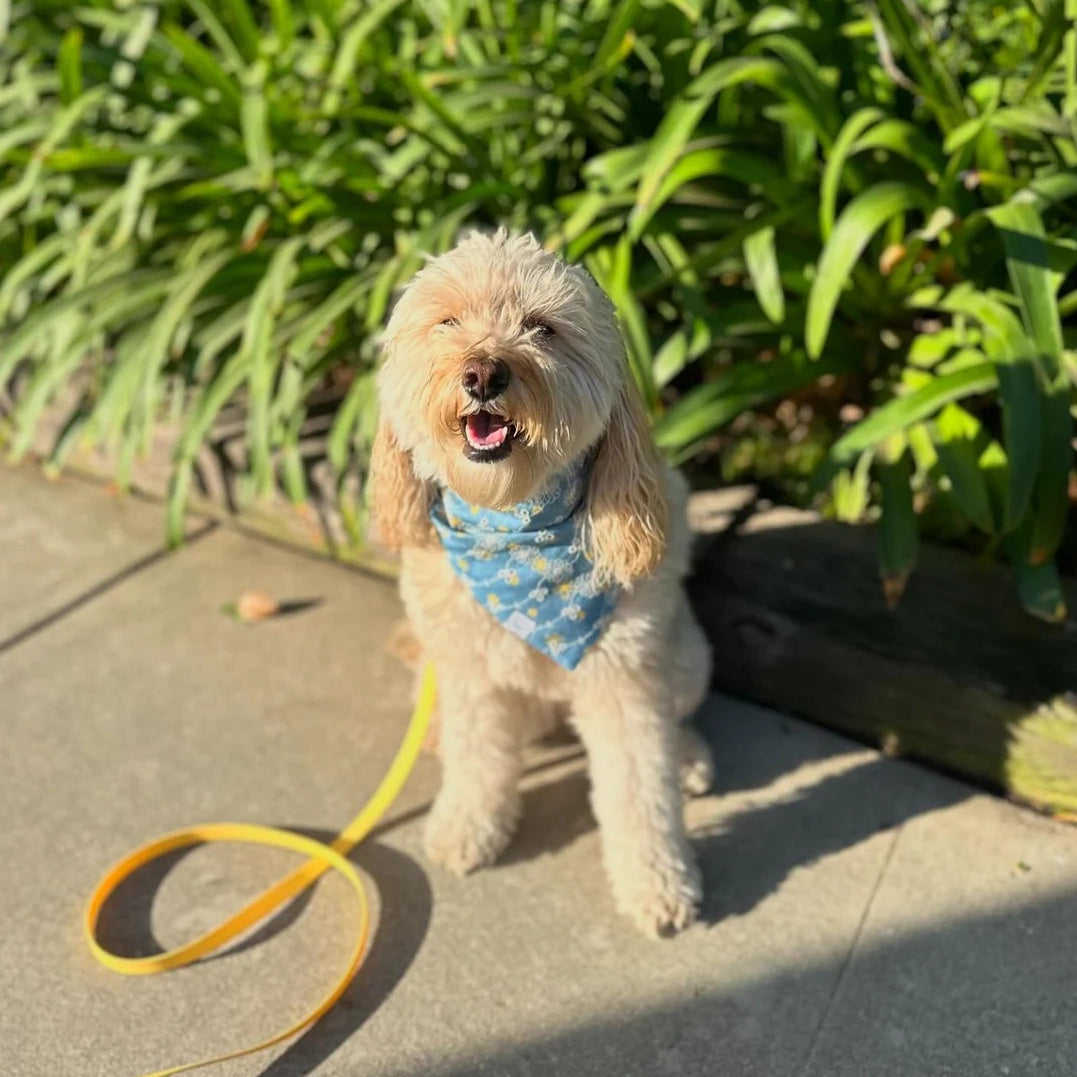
x=321, y=856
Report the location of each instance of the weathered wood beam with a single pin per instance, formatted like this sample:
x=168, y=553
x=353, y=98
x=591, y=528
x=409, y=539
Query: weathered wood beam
x=958, y=676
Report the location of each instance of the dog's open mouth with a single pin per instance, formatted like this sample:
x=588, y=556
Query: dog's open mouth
x=487, y=436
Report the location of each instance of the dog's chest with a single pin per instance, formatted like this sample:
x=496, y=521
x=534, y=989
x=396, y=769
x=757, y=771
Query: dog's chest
x=457, y=633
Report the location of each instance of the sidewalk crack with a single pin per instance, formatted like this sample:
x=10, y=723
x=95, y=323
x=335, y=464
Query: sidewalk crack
x=846, y=964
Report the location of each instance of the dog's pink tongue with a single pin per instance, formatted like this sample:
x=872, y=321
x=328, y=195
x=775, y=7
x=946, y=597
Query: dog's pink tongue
x=484, y=429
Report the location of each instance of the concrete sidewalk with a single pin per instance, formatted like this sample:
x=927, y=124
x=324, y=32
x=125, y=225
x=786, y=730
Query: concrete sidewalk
x=864, y=917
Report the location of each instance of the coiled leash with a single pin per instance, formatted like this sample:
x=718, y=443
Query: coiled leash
x=321, y=857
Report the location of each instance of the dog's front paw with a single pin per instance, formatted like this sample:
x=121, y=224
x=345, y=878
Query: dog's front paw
x=697, y=776
x=661, y=899
x=462, y=841
x=696, y=763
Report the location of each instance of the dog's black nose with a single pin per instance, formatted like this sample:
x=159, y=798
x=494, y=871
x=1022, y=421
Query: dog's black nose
x=485, y=379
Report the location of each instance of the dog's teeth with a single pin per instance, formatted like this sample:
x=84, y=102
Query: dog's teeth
x=485, y=439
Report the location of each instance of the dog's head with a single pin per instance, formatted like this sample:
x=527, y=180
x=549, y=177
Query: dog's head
x=502, y=365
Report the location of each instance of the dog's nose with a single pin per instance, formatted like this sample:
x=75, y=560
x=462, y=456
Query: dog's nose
x=485, y=379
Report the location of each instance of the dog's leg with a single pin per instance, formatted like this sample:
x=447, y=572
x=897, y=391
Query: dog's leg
x=628, y=728
x=696, y=761
x=690, y=672
x=690, y=662
x=478, y=807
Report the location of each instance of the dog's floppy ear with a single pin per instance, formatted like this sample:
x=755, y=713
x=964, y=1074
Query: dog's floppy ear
x=400, y=500
x=627, y=505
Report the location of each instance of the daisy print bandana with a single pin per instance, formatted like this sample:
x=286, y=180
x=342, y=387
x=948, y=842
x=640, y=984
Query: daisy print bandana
x=527, y=566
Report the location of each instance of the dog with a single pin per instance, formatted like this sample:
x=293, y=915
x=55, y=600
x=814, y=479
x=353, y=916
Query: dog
x=543, y=547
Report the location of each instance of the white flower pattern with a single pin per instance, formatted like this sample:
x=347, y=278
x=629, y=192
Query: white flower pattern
x=527, y=566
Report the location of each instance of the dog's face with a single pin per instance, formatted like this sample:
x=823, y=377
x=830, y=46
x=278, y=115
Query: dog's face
x=502, y=365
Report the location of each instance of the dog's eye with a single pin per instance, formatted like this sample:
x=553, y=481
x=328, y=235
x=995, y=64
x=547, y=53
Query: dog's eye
x=449, y=321
x=537, y=325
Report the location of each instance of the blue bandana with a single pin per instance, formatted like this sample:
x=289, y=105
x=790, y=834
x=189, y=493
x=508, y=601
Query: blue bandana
x=528, y=568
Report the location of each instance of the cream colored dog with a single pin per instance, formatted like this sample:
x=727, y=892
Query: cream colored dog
x=503, y=368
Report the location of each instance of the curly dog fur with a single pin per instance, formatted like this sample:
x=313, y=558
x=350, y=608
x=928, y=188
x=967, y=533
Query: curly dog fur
x=502, y=297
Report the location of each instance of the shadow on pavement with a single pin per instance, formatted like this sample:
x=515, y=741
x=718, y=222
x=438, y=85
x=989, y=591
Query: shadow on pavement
x=405, y=901
x=746, y=855
x=987, y=994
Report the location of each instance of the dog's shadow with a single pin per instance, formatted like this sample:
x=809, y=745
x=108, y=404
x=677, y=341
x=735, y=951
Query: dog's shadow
x=747, y=856
x=556, y=813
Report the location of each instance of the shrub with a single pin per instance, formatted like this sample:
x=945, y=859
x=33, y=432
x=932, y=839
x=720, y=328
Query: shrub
x=209, y=201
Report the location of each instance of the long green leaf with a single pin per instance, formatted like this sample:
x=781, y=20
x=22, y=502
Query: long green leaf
x=254, y=123
x=1004, y=339
x=1019, y=387
x=859, y=221
x=898, y=534
x=361, y=397
x=257, y=337
x=709, y=407
x=618, y=27
x=961, y=441
x=762, y=261
x=1040, y=589
x=244, y=28
x=69, y=62
x=747, y=168
x=121, y=297
x=1029, y=262
x=17, y=275
x=1023, y=434
x=816, y=97
x=670, y=359
x=684, y=115
x=352, y=41
x=1051, y=497
x=836, y=160
x=903, y=411
x=203, y=64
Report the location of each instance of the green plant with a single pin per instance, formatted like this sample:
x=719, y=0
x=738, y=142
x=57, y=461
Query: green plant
x=878, y=244
x=204, y=201
x=1013, y=488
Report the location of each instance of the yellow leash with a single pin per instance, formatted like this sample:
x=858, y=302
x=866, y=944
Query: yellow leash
x=322, y=856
